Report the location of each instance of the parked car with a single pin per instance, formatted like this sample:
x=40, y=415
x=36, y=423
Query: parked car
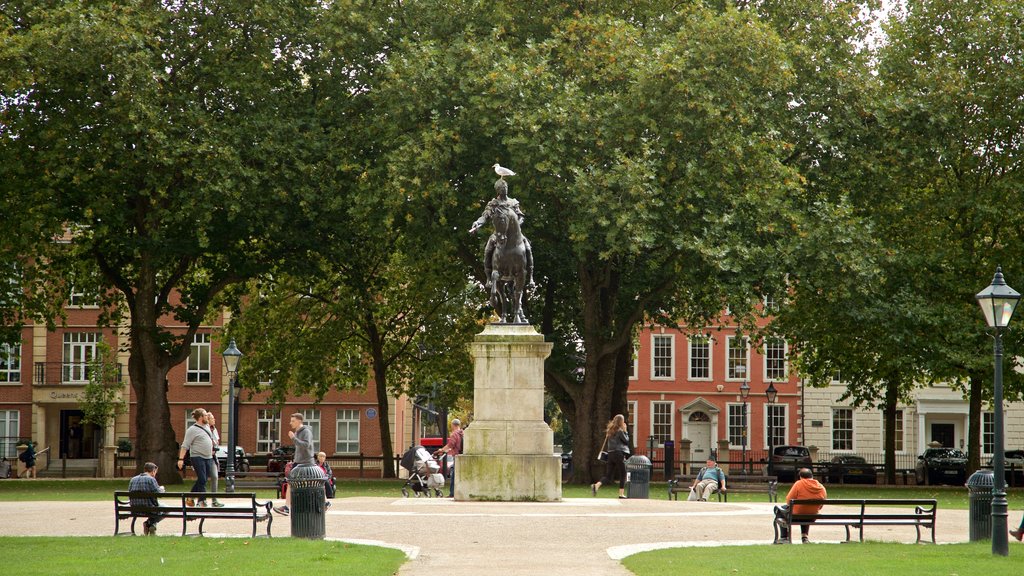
x=788, y=460
x=851, y=469
x=1013, y=462
x=281, y=456
x=941, y=466
x=241, y=460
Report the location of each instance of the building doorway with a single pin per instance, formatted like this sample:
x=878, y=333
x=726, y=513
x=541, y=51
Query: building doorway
x=78, y=439
x=944, y=434
x=700, y=435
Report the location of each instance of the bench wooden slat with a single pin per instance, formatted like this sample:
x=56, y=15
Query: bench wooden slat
x=173, y=505
x=858, y=515
x=747, y=483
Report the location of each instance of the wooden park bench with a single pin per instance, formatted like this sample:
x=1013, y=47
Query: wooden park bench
x=237, y=505
x=854, y=513
x=750, y=483
x=254, y=480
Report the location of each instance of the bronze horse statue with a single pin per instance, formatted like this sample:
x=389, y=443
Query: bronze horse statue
x=508, y=266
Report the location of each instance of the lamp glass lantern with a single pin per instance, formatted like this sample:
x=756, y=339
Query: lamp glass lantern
x=744, y=394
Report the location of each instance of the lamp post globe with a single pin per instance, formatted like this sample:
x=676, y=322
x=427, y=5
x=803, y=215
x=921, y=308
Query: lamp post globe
x=232, y=356
x=998, y=302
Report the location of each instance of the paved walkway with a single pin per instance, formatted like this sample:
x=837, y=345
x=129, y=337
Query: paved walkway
x=576, y=536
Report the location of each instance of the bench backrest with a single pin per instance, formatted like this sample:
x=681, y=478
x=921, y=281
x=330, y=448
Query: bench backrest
x=122, y=499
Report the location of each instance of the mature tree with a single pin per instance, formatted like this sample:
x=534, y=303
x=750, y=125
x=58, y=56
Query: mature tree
x=164, y=137
x=652, y=184
x=953, y=72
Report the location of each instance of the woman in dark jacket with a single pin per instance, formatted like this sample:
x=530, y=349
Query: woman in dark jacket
x=616, y=442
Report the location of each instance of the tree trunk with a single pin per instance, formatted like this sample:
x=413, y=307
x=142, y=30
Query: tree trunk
x=974, y=423
x=383, y=417
x=892, y=397
x=147, y=368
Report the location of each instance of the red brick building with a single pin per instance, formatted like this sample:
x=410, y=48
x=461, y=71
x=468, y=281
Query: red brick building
x=686, y=386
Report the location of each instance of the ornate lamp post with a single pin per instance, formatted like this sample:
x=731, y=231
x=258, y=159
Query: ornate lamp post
x=744, y=393
x=997, y=303
x=232, y=356
x=771, y=394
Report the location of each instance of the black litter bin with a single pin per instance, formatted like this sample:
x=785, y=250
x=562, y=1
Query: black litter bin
x=979, y=485
x=638, y=470
x=306, y=483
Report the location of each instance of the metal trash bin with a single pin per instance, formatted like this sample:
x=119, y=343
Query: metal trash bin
x=306, y=483
x=979, y=485
x=638, y=471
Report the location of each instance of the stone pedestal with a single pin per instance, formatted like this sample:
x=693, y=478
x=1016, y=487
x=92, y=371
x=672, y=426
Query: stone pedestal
x=509, y=449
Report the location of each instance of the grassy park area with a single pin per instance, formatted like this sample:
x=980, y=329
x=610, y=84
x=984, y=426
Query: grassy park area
x=154, y=556
x=875, y=558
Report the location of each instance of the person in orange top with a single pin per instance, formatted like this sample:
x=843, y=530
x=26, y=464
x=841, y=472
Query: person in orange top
x=805, y=487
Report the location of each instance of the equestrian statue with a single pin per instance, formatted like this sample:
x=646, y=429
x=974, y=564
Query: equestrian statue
x=508, y=257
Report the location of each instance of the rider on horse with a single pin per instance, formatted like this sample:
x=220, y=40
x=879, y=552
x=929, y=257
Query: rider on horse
x=501, y=200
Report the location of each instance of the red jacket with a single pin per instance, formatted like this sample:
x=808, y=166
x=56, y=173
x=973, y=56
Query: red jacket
x=806, y=488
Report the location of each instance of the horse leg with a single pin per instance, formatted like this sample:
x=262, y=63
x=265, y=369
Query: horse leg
x=517, y=298
x=495, y=291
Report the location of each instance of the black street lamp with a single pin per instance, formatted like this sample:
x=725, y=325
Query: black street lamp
x=232, y=356
x=744, y=393
x=771, y=394
x=997, y=303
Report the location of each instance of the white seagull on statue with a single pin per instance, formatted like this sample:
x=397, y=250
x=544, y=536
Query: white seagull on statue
x=502, y=171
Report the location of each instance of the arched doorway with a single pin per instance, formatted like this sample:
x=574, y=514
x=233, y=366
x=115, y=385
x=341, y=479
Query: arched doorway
x=699, y=428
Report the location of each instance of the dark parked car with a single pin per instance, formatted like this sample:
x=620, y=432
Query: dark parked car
x=241, y=460
x=851, y=469
x=1013, y=462
x=788, y=460
x=281, y=456
x=941, y=466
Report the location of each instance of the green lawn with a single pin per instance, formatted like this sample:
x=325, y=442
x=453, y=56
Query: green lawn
x=949, y=497
x=126, y=556
x=874, y=558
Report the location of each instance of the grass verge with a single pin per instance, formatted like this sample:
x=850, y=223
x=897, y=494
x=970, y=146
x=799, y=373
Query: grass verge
x=128, y=556
x=875, y=558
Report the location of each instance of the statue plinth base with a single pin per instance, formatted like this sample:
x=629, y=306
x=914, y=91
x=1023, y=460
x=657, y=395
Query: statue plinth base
x=509, y=449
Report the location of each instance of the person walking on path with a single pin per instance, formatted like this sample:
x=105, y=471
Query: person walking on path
x=1019, y=532
x=708, y=480
x=211, y=421
x=302, y=436
x=452, y=448
x=28, y=457
x=805, y=488
x=146, y=482
x=616, y=439
x=199, y=443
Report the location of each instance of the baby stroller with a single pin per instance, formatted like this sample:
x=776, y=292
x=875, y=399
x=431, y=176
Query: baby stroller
x=424, y=473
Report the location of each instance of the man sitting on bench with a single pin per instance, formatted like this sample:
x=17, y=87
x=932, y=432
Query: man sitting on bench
x=146, y=482
x=708, y=480
x=805, y=488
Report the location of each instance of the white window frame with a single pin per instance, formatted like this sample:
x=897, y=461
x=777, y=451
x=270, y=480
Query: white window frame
x=634, y=366
x=661, y=342
x=901, y=431
x=350, y=419
x=268, y=430
x=988, y=433
x=780, y=421
x=693, y=341
x=631, y=419
x=311, y=418
x=79, y=352
x=734, y=413
x=837, y=419
x=10, y=363
x=656, y=423
x=79, y=300
x=770, y=374
x=10, y=422
x=732, y=370
x=199, y=351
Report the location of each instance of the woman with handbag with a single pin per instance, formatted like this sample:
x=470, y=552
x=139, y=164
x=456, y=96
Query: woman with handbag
x=616, y=442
